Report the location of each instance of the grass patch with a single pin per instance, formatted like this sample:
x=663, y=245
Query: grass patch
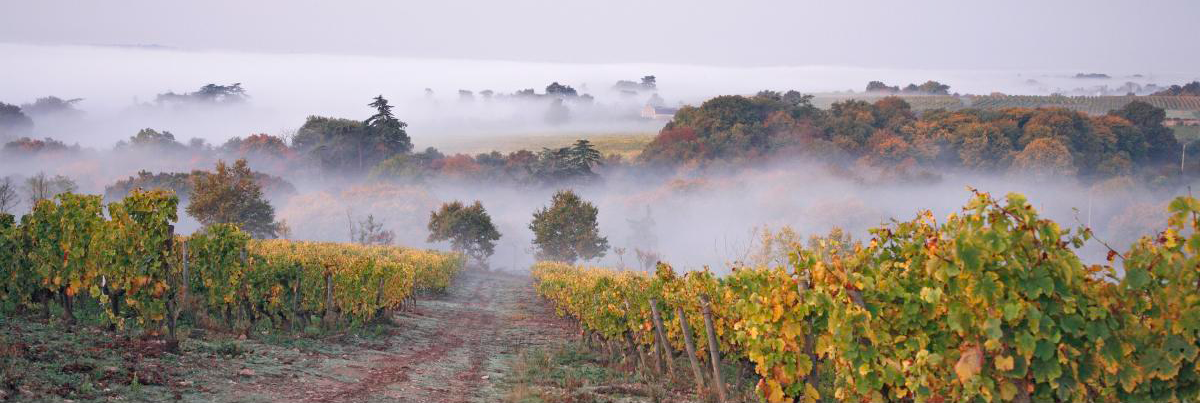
x=627, y=145
x=573, y=373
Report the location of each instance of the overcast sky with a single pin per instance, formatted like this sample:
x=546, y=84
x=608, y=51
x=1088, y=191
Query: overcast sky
x=1091, y=35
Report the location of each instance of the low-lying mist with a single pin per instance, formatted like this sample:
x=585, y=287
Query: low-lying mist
x=697, y=218
x=700, y=217
x=116, y=83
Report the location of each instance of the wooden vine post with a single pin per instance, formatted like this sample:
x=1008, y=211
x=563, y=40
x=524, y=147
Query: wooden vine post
x=813, y=377
x=379, y=312
x=173, y=300
x=690, y=345
x=185, y=284
x=633, y=347
x=660, y=341
x=713, y=349
x=296, y=302
x=247, y=309
x=328, y=300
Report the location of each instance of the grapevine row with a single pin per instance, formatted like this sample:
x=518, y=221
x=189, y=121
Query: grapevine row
x=994, y=304
x=126, y=259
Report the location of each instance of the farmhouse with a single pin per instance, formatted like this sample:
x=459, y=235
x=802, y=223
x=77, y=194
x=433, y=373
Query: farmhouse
x=658, y=112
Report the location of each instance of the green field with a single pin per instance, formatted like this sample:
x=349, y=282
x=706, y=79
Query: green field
x=1187, y=133
x=627, y=145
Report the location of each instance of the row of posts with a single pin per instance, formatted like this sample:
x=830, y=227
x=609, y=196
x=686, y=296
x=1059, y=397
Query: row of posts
x=178, y=302
x=666, y=358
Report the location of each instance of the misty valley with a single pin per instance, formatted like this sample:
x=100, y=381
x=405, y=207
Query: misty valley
x=244, y=226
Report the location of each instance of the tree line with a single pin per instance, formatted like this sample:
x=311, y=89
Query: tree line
x=887, y=134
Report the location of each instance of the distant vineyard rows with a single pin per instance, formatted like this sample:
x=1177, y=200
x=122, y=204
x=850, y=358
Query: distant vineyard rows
x=1095, y=105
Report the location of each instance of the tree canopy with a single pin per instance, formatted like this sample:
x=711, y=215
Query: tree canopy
x=1189, y=89
x=354, y=146
x=889, y=135
x=212, y=94
x=230, y=195
x=567, y=230
x=468, y=228
x=13, y=121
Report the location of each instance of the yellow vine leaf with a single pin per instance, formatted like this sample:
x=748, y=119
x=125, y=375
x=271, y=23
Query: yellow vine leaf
x=969, y=364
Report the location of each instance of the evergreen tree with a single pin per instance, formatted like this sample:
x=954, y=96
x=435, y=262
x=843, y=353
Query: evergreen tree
x=583, y=156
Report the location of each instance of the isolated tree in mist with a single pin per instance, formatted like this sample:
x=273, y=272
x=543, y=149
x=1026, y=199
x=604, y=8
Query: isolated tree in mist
x=643, y=240
x=41, y=187
x=231, y=195
x=52, y=105
x=655, y=100
x=649, y=82
x=557, y=113
x=8, y=196
x=567, y=230
x=370, y=232
x=13, y=122
x=150, y=139
x=560, y=90
x=385, y=133
x=468, y=228
x=208, y=94
x=879, y=86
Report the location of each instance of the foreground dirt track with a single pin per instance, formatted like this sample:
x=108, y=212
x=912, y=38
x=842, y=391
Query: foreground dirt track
x=451, y=348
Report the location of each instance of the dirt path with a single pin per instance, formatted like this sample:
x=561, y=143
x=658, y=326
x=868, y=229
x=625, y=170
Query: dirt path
x=453, y=348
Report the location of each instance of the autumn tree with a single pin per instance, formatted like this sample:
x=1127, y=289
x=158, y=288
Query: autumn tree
x=468, y=228
x=567, y=230
x=231, y=195
x=28, y=147
x=1043, y=158
x=1160, y=142
x=153, y=140
x=261, y=144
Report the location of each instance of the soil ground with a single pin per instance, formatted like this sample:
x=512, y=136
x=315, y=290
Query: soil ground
x=488, y=339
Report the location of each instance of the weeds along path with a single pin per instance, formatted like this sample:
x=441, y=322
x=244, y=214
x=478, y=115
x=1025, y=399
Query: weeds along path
x=452, y=348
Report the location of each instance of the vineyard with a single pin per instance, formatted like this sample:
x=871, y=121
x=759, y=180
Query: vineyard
x=1095, y=105
x=993, y=304
x=129, y=264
